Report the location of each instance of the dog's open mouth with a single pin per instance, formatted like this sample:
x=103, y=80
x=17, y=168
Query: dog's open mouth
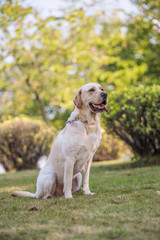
x=98, y=107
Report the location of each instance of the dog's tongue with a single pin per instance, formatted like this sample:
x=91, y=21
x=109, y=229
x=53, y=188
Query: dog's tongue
x=101, y=106
x=106, y=109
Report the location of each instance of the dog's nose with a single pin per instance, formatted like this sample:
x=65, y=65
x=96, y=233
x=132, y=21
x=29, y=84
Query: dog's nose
x=103, y=94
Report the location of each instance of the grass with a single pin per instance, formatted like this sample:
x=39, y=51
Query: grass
x=126, y=206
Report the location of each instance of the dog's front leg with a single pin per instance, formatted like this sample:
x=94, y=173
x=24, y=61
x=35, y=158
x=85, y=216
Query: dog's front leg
x=85, y=175
x=68, y=175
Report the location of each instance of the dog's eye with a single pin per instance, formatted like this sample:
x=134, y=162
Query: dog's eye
x=91, y=90
x=102, y=89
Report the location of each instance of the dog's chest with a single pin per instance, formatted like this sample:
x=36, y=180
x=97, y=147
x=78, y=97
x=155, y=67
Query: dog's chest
x=86, y=151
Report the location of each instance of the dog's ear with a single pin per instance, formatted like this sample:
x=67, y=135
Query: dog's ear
x=78, y=100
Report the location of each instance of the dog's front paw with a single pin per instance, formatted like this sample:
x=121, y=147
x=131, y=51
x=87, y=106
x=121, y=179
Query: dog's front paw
x=88, y=192
x=91, y=193
x=68, y=196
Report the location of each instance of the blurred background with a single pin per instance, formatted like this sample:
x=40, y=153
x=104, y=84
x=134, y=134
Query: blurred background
x=48, y=49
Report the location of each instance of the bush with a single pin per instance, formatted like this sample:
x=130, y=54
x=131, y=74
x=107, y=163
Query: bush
x=22, y=142
x=135, y=118
x=110, y=148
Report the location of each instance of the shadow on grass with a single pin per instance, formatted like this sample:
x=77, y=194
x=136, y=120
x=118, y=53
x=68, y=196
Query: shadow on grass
x=25, y=235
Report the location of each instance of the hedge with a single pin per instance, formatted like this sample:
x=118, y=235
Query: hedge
x=23, y=142
x=135, y=117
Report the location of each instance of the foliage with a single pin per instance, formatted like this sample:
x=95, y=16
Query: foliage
x=43, y=61
x=135, y=118
x=110, y=148
x=58, y=62
x=143, y=42
x=55, y=65
x=23, y=142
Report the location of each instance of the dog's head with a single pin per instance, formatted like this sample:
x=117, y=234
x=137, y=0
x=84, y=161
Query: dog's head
x=91, y=96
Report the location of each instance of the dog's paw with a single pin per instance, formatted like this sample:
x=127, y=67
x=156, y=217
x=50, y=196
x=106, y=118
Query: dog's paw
x=68, y=196
x=91, y=193
x=88, y=192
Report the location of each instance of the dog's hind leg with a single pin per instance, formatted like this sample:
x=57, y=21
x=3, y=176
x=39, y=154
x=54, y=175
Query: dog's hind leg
x=54, y=186
x=76, y=182
x=46, y=185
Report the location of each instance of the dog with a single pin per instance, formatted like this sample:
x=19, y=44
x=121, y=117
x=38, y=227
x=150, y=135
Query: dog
x=72, y=152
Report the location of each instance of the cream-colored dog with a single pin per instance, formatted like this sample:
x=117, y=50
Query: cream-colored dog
x=74, y=147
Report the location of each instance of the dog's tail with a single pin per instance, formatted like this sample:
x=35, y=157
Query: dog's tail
x=23, y=194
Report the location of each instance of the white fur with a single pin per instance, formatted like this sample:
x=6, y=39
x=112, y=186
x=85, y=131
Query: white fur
x=72, y=151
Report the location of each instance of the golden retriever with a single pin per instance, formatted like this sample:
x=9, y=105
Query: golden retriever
x=72, y=152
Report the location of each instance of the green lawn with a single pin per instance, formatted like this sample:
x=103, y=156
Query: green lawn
x=126, y=206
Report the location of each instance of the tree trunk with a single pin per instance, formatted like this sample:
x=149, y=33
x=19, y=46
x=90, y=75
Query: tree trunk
x=41, y=105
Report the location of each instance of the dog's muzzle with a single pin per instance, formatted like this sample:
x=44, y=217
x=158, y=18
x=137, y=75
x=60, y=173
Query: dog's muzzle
x=104, y=97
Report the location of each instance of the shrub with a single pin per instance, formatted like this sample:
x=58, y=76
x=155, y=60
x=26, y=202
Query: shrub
x=22, y=142
x=110, y=148
x=135, y=118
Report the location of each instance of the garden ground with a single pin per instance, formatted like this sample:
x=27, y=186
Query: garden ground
x=126, y=206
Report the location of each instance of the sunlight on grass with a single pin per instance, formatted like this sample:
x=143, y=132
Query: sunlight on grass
x=15, y=188
x=110, y=162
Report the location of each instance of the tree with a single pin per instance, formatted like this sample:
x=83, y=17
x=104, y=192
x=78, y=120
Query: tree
x=143, y=42
x=46, y=67
x=43, y=66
